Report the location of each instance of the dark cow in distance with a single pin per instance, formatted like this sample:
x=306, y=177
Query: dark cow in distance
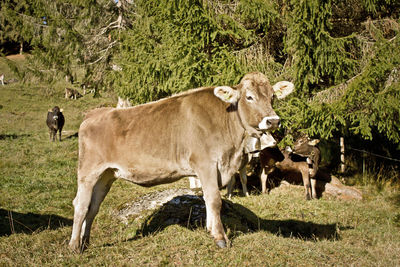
x=55, y=122
x=199, y=133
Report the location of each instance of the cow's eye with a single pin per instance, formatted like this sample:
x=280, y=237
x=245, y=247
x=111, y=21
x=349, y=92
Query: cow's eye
x=249, y=98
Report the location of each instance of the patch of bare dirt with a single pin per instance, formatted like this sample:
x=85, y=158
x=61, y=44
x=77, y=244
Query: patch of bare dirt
x=16, y=57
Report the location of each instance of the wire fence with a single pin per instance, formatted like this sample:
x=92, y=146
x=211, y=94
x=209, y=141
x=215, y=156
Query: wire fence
x=372, y=154
x=369, y=162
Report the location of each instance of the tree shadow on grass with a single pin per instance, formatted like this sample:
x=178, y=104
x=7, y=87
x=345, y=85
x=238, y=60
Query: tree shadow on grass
x=71, y=136
x=12, y=136
x=189, y=211
x=12, y=222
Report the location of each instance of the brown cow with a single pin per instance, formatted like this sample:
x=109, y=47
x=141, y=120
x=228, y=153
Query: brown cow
x=307, y=148
x=200, y=133
x=71, y=93
x=304, y=159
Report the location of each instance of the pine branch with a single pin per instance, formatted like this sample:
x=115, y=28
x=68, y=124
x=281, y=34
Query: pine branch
x=104, y=51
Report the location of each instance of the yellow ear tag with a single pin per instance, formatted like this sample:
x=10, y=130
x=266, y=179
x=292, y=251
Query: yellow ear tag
x=227, y=96
x=278, y=93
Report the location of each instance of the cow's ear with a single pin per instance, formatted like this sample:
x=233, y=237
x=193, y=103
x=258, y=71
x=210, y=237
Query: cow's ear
x=227, y=94
x=313, y=142
x=283, y=89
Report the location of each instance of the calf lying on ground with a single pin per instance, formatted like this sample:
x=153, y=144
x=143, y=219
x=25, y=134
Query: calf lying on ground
x=55, y=122
x=72, y=93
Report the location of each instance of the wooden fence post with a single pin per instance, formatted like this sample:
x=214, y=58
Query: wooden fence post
x=342, y=161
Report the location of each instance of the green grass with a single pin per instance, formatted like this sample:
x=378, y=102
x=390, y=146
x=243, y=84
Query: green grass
x=38, y=184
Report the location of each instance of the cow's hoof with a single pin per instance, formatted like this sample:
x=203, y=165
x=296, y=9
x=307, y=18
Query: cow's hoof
x=221, y=243
x=74, y=247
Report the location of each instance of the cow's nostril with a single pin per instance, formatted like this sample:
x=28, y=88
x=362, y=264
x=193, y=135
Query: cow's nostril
x=273, y=123
x=268, y=123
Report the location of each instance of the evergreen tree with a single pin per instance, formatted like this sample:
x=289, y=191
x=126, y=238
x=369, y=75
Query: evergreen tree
x=75, y=36
x=174, y=46
x=316, y=54
x=20, y=22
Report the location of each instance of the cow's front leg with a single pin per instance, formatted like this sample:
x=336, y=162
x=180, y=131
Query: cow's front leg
x=212, y=198
x=314, y=188
x=263, y=180
x=230, y=186
x=54, y=133
x=243, y=180
x=306, y=181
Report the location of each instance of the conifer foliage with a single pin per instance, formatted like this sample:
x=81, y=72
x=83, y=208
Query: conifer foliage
x=174, y=46
x=316, y=54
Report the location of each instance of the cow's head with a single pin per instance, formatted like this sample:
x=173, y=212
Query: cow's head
x=254, y=97
x=56, y=112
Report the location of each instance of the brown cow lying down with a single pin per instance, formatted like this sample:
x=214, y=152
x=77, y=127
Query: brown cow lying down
x=199, y=133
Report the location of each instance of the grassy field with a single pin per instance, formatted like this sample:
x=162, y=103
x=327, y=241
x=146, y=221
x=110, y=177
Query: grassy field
x=38, y=184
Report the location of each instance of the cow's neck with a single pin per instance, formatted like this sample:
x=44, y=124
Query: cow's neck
x=248, y=130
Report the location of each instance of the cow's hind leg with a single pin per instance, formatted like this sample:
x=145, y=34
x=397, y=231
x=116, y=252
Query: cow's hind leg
x=100, y=191
x=82, y=202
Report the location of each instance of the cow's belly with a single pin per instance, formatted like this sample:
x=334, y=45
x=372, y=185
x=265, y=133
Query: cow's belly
x=151, y=175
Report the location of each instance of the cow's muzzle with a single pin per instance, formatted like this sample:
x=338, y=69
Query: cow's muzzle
x=269, y=123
